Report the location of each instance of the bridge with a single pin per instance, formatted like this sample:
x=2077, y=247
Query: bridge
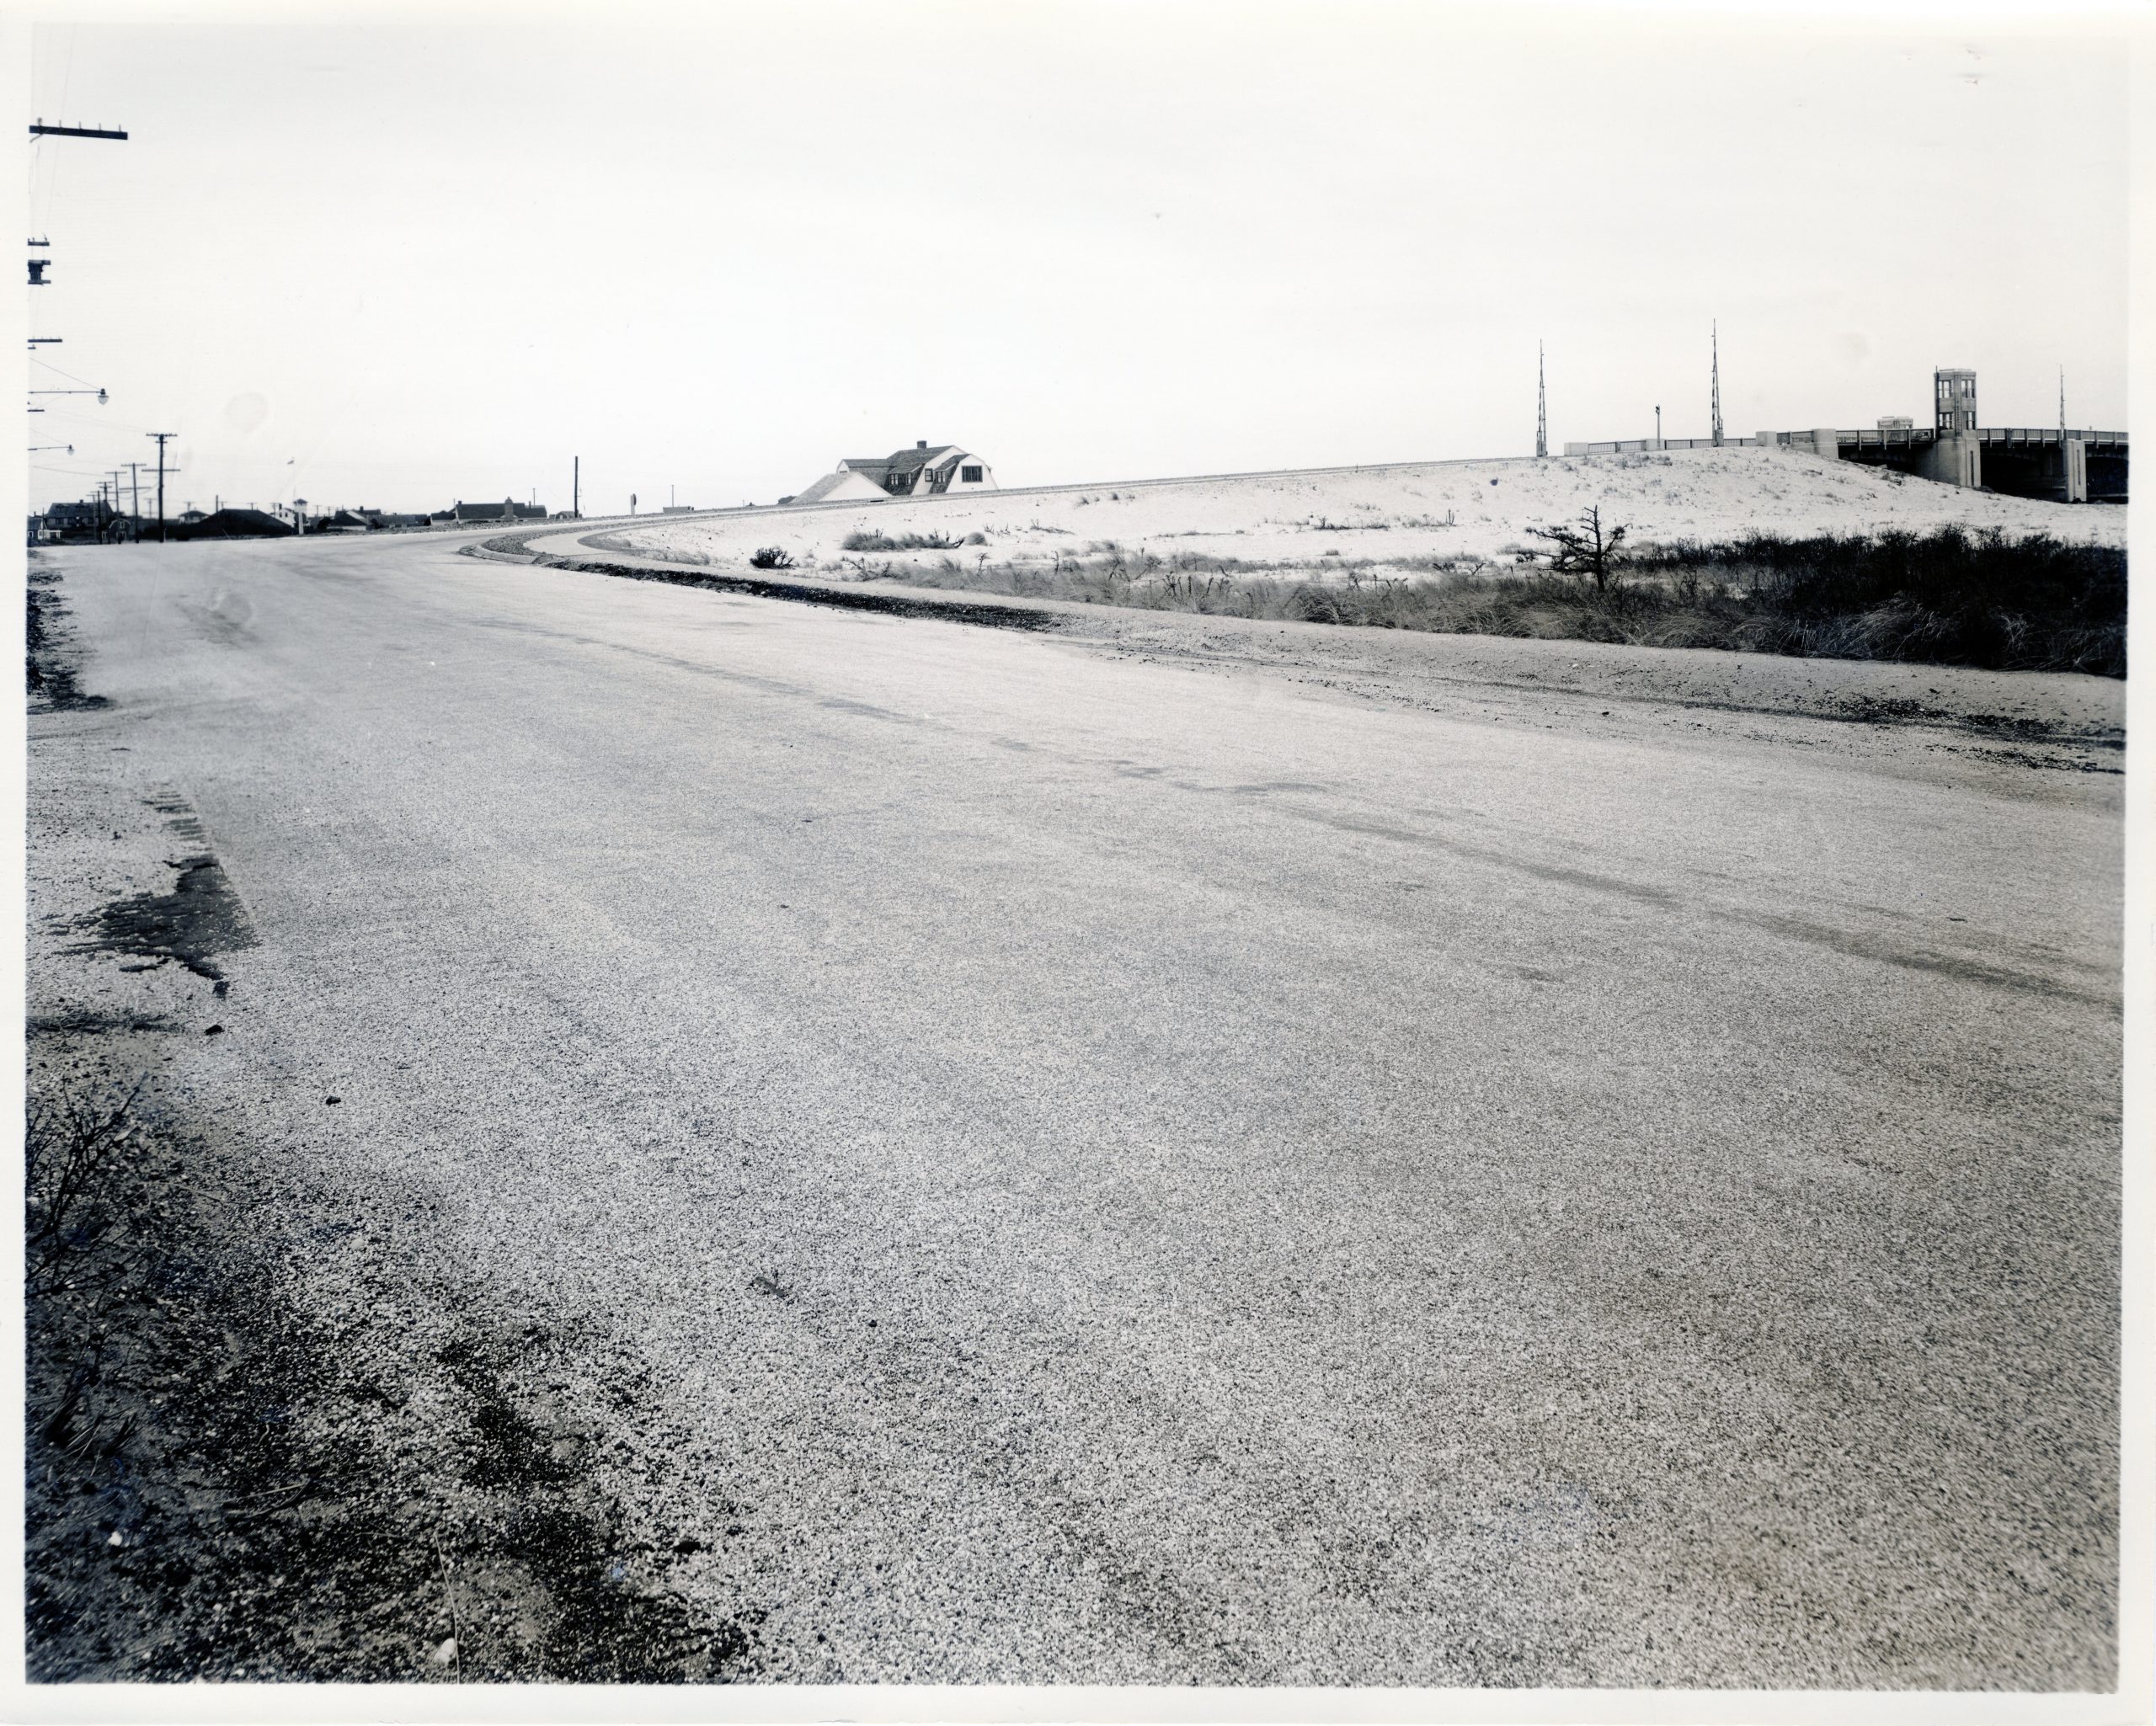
x=2024, y=462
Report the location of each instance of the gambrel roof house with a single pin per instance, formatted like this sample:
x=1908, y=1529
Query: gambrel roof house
x=922, y=471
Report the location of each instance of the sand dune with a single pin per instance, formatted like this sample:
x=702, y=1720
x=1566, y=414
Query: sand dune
x=1404, y=515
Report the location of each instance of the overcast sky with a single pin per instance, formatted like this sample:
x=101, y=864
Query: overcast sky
x=437, y=255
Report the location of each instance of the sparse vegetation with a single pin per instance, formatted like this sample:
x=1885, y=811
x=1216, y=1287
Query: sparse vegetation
x=1949, y=597
x=771, y=557
x=1586, y=547
x=868, y=539
x=219, y=1487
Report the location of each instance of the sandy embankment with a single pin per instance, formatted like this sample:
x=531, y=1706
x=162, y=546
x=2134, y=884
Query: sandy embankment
x=1395, y=518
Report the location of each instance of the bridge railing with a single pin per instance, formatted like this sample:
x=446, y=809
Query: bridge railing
x=2049, y=434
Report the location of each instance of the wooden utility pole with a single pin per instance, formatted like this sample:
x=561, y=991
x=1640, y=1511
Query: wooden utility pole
x=161, y=437
x=576, y=484
x=135, y=489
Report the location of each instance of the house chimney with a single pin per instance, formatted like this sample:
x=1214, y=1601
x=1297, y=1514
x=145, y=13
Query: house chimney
x=922, y=444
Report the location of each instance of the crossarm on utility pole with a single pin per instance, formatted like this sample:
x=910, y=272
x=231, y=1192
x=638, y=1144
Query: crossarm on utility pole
x=162, y=438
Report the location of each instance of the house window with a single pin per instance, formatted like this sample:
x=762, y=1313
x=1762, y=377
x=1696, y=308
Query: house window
x=969, y=475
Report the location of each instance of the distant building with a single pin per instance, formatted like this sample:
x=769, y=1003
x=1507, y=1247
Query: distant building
x=509, y=510
x=921, y=472
x=92, y=521
x=234, y=523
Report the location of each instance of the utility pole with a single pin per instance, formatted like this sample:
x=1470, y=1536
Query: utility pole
x=39, y=129
x=1541, y=407
x=161, y=436
x=1658, y=425
x=576, y=486
x=1715, y=374
x=135, y=489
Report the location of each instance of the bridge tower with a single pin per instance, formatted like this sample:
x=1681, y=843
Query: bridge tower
x=1955, y=458
x=1953, y=399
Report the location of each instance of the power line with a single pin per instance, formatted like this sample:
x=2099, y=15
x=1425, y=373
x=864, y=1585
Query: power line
x=50, y=367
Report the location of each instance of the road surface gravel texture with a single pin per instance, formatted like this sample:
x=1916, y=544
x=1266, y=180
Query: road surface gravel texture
x=1155, y=1149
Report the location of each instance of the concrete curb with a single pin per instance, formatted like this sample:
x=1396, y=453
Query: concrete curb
x=990, y=612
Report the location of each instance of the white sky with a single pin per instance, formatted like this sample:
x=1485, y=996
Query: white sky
x=435, y=254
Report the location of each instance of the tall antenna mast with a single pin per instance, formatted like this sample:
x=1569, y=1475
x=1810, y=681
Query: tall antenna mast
x=1713, y=337
x=1541, y=407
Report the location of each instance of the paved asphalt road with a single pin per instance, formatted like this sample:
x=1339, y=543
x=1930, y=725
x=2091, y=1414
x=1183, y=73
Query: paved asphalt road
x=1100, y=1170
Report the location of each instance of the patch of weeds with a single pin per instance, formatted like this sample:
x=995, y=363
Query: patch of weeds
x=218, y=1488
x=51, y=661
x=869, y=540
x=1949, y=597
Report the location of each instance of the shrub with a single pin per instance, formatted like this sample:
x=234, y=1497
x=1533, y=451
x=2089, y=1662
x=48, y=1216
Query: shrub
x=771, y=557
x=868, y=539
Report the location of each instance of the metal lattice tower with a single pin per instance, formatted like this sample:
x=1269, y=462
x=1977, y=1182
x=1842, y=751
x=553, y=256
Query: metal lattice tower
x=1541, y=407
x=1714, y=376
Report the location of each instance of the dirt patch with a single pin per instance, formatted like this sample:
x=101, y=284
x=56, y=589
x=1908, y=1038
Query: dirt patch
x=200, y=919
x=52, y=666
x=220, y=1489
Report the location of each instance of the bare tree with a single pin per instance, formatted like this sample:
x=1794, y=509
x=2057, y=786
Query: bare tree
x=1584, y=545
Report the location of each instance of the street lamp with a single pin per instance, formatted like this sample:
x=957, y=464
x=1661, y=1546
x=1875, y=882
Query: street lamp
x=99, y=394
x=38, y=449
x=1657, y=427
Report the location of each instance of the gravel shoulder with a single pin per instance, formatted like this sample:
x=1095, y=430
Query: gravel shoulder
x=2054, y=720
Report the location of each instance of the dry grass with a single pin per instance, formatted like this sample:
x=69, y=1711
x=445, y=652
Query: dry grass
x=1948, y=597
